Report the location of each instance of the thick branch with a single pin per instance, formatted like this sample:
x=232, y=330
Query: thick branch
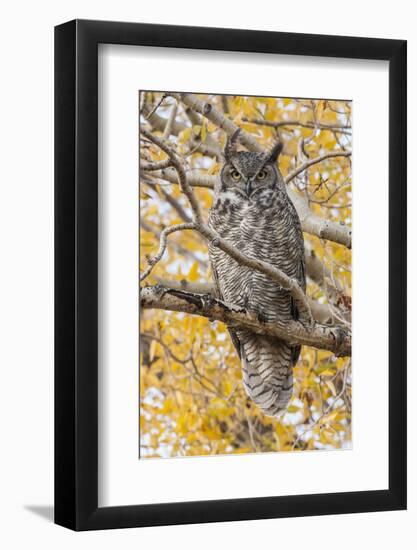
x=322, y=313
x=335, y=339
x=187, y=286
x=207, y=109
x=316, y=225
x=194, y=179
x=170, y=122
x=149, y=166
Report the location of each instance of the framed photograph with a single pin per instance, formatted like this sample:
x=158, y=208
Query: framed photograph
x=230, y=247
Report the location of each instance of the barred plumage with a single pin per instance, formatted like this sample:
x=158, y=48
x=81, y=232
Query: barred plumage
x=251, y=209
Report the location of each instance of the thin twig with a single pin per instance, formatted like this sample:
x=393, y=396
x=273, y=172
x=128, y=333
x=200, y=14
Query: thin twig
x=311, y=162
x=162, y=246
x=156, y=107
x=272, y=124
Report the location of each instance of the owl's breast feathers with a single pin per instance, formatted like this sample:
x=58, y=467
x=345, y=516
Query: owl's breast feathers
x=267, y=228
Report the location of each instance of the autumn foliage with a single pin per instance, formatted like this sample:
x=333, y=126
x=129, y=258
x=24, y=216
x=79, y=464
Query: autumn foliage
x=192, y=401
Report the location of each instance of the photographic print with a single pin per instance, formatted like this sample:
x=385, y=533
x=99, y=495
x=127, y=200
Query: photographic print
x=245, y=274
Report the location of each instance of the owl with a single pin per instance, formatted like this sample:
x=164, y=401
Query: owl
x=252, y=211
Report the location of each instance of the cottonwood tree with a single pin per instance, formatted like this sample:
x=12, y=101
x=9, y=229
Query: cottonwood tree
x=192, y=398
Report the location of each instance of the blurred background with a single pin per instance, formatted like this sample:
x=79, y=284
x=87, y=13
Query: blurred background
x=192, y=400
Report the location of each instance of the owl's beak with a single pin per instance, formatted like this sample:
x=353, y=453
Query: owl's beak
x=248, y=187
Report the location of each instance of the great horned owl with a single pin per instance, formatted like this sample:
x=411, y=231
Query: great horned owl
x=252, y=211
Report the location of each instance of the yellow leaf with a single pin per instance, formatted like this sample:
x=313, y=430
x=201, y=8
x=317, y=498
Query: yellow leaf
x=185, y=135
x=319, y=109
x=331, y=387
x=168, y=406
x=193, y=273
x=307, y=132
x=237, y=102
x=152, y=349
x=327, y=372
x=144, y=195
x=213, y=169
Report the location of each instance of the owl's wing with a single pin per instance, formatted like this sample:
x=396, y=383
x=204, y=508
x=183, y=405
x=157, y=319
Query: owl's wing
x=218, y=294
x=235, y=341
x=301, y=279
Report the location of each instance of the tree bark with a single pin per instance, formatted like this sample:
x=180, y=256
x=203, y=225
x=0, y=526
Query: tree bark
x=336, y=339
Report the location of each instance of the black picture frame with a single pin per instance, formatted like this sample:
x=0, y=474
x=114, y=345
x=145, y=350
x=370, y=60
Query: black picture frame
x=76, y=272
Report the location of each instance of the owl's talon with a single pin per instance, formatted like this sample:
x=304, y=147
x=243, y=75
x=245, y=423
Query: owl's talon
x=256, y=314
x=308, y=324
x=207, y=302
x=160, y=290
x=261, y=316
x=339, y=334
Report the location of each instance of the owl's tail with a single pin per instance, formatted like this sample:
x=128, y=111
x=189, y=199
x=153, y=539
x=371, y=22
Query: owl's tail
x=267, y=371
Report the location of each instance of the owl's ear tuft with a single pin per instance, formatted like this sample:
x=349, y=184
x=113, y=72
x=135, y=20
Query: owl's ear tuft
x=230, y=148
x=273, y=154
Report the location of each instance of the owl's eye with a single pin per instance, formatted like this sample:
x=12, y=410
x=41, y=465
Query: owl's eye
x=235, y=175
x=261, y=175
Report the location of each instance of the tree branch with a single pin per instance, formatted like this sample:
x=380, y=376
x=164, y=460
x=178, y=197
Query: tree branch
x=210, y=147
x=182, y=250
x=182, y=179
x=194, y=179
x=170, y=122
x=318, y=226
x=332, y=338
x=322, y=313
x=211, y=113
x=311, y=162
x=282, y=123
x=149, y=166
x=176, y=205
x=162, y=246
